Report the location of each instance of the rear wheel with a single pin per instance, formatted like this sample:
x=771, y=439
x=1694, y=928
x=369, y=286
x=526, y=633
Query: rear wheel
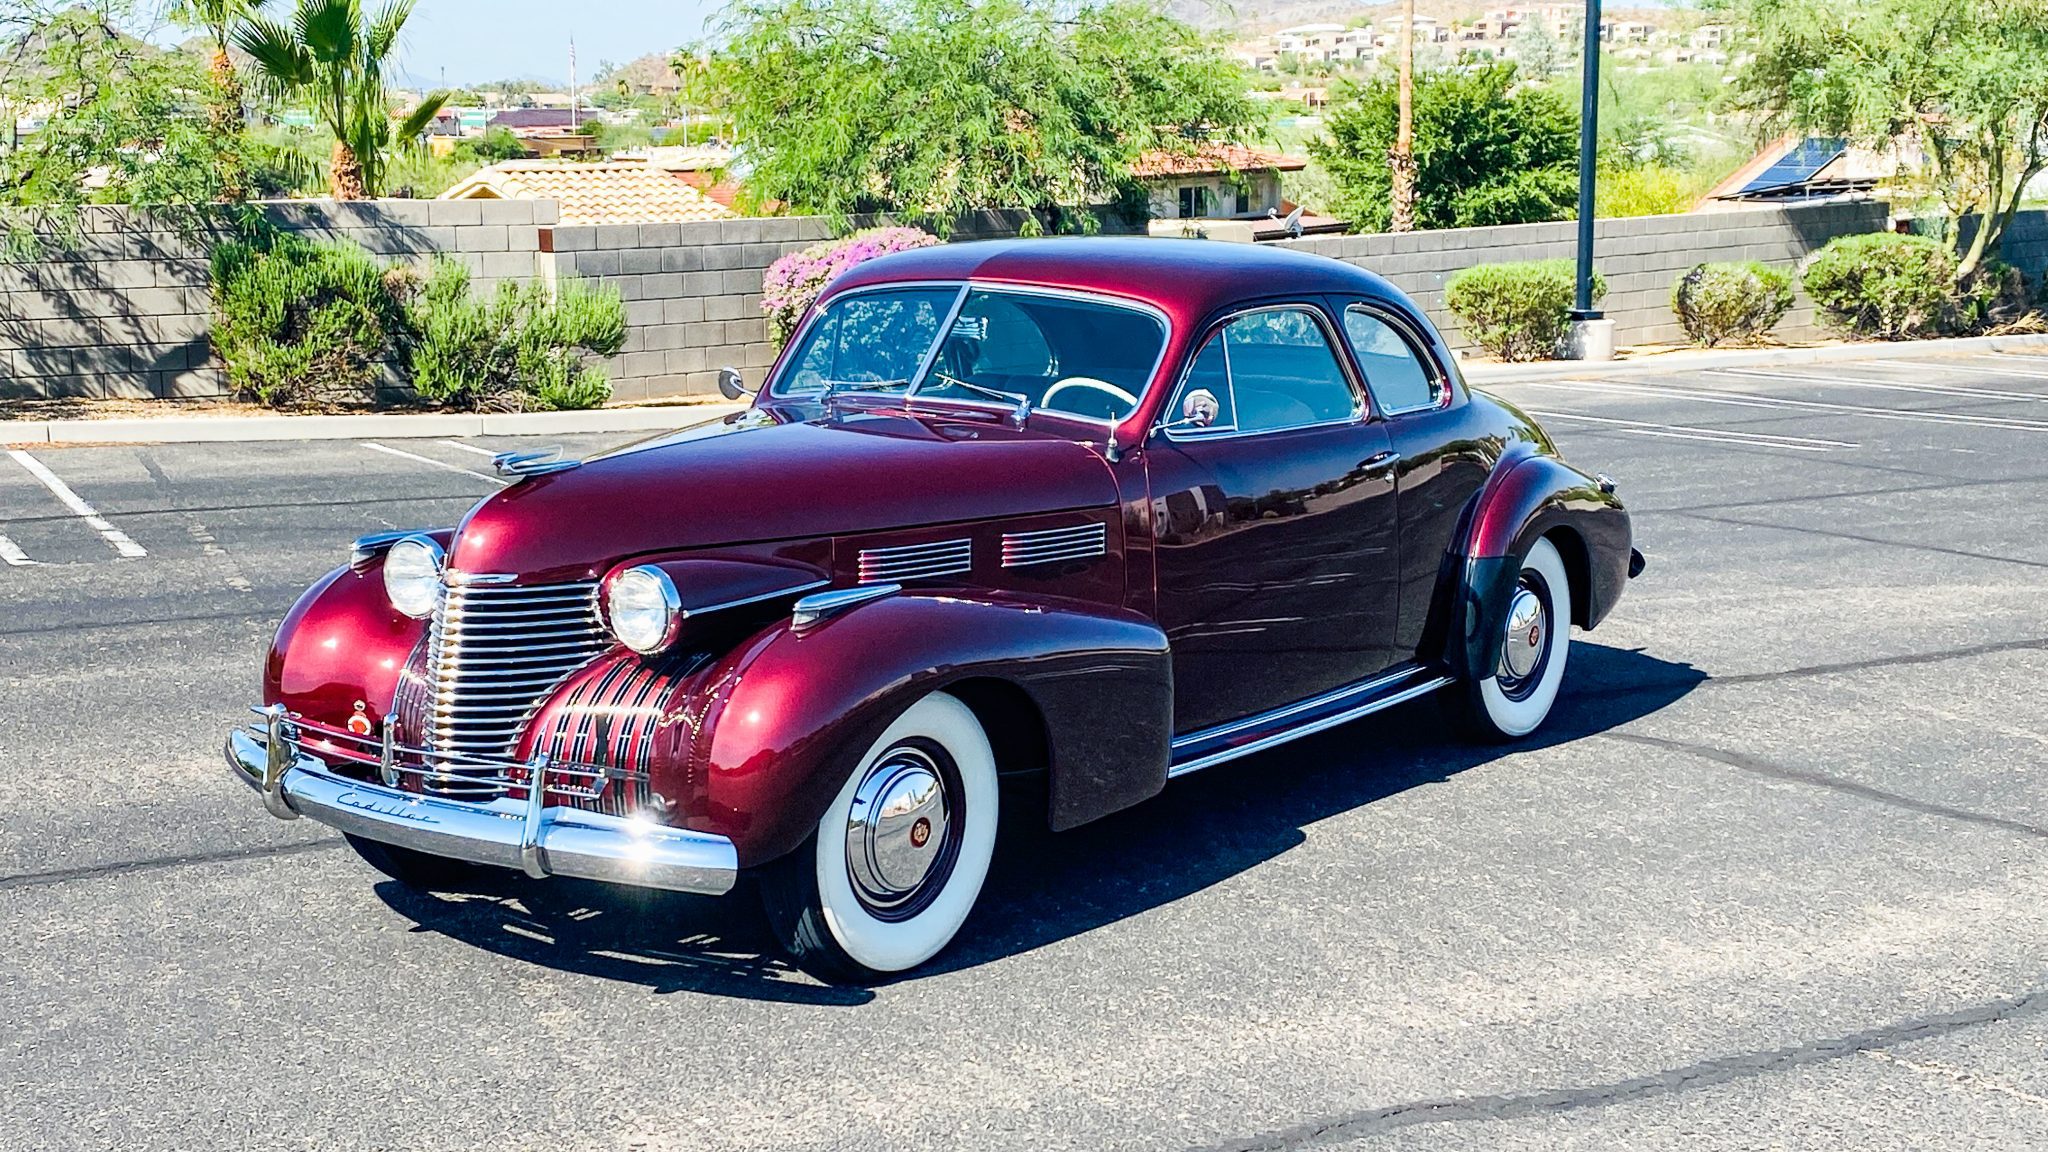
x=899, y=856
x=411, y=868
x=1515, y=697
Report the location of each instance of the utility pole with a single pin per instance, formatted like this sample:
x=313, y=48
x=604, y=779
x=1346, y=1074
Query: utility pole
x=1401, y=161
x=572, y=85
x=1592, y=338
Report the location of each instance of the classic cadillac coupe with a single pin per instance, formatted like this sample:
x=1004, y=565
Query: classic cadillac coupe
x=1088, y=513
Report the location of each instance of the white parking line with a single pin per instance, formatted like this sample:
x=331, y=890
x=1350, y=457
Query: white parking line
x=430, y=460
x=114, y=536
x=469, y=447
x=12, y=553
x=1786, y=404
x=1711, y=435
x=2007, y=357
x=1886, y=385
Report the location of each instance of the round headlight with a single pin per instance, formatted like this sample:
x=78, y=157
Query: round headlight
x=643, y=608
x=412, y=575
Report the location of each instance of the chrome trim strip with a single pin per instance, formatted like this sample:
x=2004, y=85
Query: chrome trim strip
x=368, y=547
x=1319, y=724
x=817, y=606
x=742, y=602
x=1363, y=687
x=563, y=841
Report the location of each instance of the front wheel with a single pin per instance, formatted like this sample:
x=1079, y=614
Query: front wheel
x=1515, y=696
x=899, y=856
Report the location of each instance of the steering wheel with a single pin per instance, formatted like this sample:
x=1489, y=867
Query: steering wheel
x=1045, y=401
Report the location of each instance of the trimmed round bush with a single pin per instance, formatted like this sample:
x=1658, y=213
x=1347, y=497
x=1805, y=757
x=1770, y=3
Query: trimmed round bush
x=1730, y=302
x=792, y=283
x=1884, y=285
x=298, y=323
x=1518, y=311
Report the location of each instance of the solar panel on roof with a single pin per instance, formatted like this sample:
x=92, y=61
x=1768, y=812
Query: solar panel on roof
x=1798, y=165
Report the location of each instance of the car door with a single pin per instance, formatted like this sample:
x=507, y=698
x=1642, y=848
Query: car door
x=1273, y=520
x=1445, y=453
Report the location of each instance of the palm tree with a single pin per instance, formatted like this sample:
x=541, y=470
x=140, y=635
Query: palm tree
x=334, y=54
x=1402, y=158
x=219, y=19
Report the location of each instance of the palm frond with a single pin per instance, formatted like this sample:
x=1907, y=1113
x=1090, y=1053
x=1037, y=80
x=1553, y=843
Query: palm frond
x=416, y=122
x=382, y=33
x=328, y=29
x=280, y=58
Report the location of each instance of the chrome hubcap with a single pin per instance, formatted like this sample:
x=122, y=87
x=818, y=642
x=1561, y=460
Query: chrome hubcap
x=1527, y=632
x=896, y=832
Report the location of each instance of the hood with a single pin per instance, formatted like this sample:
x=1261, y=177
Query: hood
x=767, y=475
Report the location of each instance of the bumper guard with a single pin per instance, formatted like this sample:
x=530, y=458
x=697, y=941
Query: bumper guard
x=525, y=834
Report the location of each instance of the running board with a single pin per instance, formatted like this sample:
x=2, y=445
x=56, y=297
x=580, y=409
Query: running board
x=1319, y=712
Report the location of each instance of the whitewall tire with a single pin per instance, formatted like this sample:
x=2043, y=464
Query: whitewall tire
x=899, y=857
x=1515, y=696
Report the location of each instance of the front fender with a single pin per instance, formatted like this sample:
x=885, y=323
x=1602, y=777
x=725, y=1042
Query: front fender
x=780, y=720
x=342, y=642
x=1526, y=499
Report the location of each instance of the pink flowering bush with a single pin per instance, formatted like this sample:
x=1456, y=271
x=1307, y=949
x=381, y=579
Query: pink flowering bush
x=794, y=281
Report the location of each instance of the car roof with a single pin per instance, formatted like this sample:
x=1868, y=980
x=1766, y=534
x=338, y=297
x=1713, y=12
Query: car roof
x=1187, y=279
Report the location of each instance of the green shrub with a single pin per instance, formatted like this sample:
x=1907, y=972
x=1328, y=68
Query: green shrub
x=299, y=323
x=522, y=349
x=1994, y=295
x=1885, y=285
x=1517, y=311
x=1738, y=302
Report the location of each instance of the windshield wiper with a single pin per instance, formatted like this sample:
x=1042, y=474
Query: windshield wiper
x=1021, y=402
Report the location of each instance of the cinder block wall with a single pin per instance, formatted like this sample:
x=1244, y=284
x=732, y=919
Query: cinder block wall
x=2025, y=247
x=122, y=311
x=692, y=292
x=1640, y=258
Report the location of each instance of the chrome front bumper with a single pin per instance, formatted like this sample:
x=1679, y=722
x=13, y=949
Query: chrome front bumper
x=508, y=833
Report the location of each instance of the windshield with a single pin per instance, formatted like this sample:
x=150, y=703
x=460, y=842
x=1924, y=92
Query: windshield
x=872, y=341
x=1080, y=356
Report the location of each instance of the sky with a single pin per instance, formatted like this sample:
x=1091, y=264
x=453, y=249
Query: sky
x=482, y=40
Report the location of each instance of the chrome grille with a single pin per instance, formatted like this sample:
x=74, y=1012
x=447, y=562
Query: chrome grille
x=916, y=561
x=494, y=652
x=1049, y=545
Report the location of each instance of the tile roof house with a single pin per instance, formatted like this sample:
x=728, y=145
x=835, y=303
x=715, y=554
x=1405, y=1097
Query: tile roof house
x=616, y=192
x=1218, y=181
x=542, y=119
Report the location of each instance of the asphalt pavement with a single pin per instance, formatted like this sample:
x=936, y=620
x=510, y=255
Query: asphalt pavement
x=1772, y=877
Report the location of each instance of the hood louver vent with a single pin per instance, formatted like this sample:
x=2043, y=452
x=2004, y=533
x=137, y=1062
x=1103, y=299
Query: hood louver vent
x=916, y=561
x=1052, y=545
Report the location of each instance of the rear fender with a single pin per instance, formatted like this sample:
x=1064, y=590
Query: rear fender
x=767, y=733
x=1526, y=499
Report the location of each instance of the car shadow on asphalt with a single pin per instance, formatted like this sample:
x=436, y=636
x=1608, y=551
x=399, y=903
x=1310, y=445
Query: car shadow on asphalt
x=1043, y=887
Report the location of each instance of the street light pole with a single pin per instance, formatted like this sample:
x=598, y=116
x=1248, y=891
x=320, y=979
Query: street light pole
x=1592, y=337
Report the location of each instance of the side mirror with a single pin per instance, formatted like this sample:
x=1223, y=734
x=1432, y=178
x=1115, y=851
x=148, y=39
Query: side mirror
x=732, y=385
x=1198, y=409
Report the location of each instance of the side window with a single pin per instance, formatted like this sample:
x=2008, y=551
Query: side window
x=1208, y=374
x=1283, y=372
x=1395, y=374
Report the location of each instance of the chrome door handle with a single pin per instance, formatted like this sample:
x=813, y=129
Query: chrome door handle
x=1379, y=461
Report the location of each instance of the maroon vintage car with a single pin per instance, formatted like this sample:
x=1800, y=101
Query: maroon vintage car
x=1093, y=513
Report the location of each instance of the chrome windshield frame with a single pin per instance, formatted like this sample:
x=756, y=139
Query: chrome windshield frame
x=911, y=395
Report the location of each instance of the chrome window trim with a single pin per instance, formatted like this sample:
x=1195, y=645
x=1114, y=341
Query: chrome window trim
x=1406, y=332
x=1361, y=403
x=774, y=390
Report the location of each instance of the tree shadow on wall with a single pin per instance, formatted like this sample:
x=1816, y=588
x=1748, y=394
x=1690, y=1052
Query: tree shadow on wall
x=1044, y=888
x=117, y=307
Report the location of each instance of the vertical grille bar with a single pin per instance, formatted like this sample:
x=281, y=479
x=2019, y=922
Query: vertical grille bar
x=494, y=652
